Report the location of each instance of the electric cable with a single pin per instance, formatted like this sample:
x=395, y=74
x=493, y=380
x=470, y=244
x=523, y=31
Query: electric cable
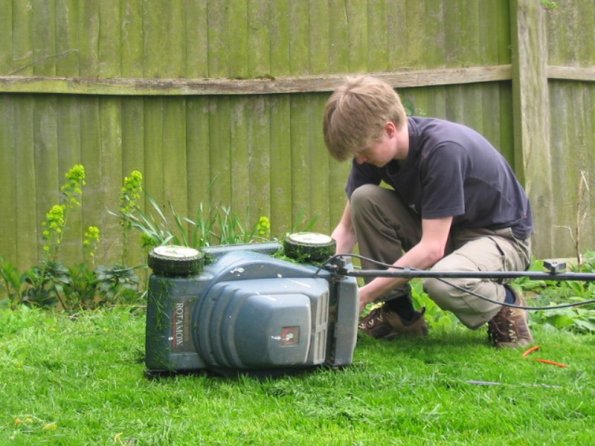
x=414, y=270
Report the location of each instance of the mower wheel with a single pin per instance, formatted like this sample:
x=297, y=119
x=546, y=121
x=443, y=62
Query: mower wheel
x=309, y=246
x=175, y=261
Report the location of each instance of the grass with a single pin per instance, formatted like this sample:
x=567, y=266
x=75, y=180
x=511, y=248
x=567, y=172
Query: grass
x=80, y=380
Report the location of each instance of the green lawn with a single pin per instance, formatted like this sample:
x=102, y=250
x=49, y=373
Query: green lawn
x=80, y=380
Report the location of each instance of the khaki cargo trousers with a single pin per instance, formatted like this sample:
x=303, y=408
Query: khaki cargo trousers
x=386, y=227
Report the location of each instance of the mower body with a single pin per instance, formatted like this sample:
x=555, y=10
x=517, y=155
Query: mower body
x=247, y=310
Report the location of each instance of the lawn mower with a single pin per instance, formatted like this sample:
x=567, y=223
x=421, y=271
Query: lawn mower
x=244, y=308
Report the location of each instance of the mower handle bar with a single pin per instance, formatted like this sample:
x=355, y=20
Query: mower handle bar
x=415, y=273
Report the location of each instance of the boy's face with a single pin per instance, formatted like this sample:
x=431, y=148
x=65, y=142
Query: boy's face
x=380, y=151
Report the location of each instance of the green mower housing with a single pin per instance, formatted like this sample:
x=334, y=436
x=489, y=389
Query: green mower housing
x=246, y=310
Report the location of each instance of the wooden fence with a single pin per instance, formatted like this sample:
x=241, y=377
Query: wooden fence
x=220, y=101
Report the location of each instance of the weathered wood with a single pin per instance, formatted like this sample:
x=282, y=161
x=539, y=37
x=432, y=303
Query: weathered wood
x=530, y=109
x=583, y=74
x=8, y=180
x=133, y=158
x=300, y=84
x=281, y=171
x=190, y=87
x=68, y=150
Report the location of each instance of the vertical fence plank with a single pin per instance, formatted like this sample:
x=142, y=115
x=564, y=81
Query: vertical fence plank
x=572, y=215
x=338, y=37
x=279, y=37
x=67, y=38
x=298, y=38
x=259, y=39
x=358, y=35
x=22, y=51
x=378, y=36
x=44, y=38
x=281, y=172
x=530, y=103
x=197, y=146
x=218, y=57
x=90, y=123
x=110, y=36
x=240, y=200
x=45, y=154
x=153, y=137
x=69, y=153
x=259, y=160
x=131, y=41
x=319, y=36
x=6, y=31
x=319, y=185
x=300, y=160
x=196, y=25
x=434, y=40
x=237, y=38
x=398, y=41
x=27, y=231
x=8, y=180
x=89, y=28
x=108, y=175
x=220, y=152
x=133, y=158
x=175, y=179
x=414, y=36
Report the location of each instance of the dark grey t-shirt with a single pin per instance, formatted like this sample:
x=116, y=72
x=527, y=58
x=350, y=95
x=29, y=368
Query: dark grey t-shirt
x=453, y=171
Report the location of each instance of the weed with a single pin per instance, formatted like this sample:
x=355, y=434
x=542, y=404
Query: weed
x=214, y=226
x=580, y=319
x=52, y=283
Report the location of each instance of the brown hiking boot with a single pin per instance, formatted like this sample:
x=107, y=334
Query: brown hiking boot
x=510, y=328
x=382, y=323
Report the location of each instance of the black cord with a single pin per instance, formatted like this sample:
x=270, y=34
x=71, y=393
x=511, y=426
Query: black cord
x=387, y=265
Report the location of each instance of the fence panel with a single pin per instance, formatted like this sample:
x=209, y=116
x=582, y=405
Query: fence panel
x=219, y=102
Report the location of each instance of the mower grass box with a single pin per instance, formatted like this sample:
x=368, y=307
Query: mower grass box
x=246, y=311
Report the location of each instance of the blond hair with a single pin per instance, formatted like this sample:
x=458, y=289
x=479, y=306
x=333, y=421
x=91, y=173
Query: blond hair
x=356, y=114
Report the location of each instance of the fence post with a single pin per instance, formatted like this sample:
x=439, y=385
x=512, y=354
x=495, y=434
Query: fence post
x=531, y=115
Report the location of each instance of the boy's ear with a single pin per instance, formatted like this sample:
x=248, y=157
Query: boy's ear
x=390, y=128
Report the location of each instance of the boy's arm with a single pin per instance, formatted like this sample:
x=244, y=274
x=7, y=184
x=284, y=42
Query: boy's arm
x=425, y=254
x=344, y=234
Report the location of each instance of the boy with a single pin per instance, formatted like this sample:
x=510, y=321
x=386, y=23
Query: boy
x=455, y=205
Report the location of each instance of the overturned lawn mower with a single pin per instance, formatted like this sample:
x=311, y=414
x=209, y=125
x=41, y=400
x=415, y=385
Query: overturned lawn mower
x=246, y=310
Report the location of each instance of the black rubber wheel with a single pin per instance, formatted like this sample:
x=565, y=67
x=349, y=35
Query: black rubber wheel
x=309, y=246
x=175, y=261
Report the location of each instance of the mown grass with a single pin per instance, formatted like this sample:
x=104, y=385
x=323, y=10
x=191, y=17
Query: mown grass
x=80, y=380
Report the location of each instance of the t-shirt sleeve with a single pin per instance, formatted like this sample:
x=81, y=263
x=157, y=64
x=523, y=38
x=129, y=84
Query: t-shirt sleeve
x=361, y=174
x=442, y=180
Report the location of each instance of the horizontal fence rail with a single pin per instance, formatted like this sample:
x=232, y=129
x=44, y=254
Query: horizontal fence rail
x=299, y=84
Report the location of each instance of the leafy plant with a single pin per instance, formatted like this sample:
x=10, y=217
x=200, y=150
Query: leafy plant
x=56, y=217
x=580, y=319
x=435, y=316
x=44, y=284
x=214, y=226
x=11, y=282
x=117, y=284
x=51, y=282
x=130, y=194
